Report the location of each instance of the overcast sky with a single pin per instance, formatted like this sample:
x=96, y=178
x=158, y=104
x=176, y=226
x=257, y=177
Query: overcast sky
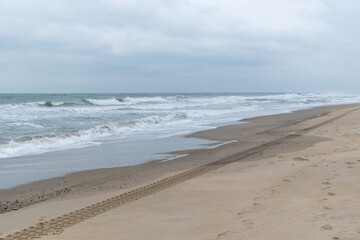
x=179, y=45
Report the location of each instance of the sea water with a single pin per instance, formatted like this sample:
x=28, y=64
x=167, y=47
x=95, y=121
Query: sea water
x=32, y=125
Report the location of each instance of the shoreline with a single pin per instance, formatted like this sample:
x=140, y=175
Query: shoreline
x=86, y=183
x=54, y=164
x=238, y=190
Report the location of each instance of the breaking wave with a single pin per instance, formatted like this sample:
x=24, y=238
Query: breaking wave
x=59, y=141
x=51, y=104
x=104, y=102
x=125, y=101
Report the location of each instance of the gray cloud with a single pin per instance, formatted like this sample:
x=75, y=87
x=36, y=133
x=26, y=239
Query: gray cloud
x=180, y=45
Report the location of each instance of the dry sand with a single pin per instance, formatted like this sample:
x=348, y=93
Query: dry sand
x=304, y=188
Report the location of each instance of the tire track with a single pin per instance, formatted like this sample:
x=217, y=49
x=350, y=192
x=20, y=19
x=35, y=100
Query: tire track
x=59, y=224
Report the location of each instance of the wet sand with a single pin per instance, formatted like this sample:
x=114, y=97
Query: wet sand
x=306, y=183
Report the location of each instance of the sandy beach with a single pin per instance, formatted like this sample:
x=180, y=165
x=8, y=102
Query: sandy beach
x=287, y=176
x=185, y=120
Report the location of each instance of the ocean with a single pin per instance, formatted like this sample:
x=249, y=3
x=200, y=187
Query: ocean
x=39, y=123
x=41, y=135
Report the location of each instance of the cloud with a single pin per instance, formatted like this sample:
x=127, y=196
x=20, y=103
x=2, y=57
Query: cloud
x=127, y=27
x=236, y=39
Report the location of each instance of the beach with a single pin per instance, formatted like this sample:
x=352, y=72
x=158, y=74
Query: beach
x=184, y=120
x=284, y=176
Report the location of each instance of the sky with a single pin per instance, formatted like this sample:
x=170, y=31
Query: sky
x=179, y=46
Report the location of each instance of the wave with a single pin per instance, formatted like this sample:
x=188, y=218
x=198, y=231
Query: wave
x=189, y=100
x=170, y=102
x=51, y=104
x=125, y=101
x=114, y=101
x=41, y=144
x=59, y=141
x=139, y=100
x=104, y=102
x=37, y=104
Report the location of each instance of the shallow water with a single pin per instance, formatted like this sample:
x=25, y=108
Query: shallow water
x=20, y=170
